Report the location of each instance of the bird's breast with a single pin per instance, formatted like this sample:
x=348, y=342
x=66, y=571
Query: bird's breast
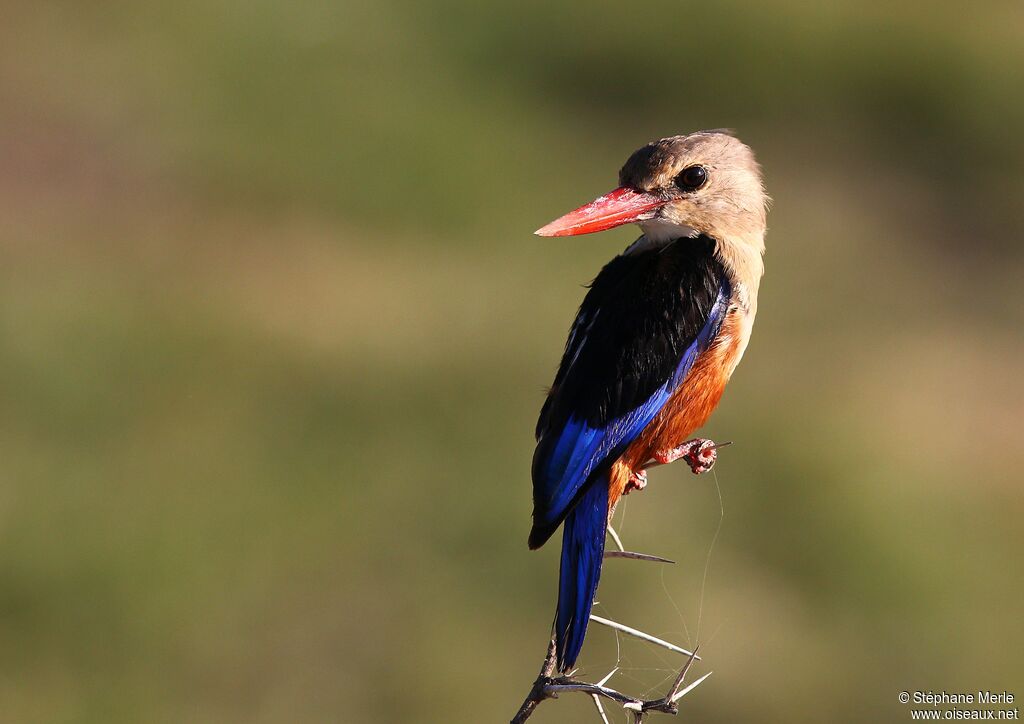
x=692, y=403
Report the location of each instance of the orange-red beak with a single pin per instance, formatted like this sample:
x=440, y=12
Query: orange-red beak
x=615, y=208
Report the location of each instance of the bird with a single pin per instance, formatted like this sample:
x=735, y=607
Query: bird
x=654, y=342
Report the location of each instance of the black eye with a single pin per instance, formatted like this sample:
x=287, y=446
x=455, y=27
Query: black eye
x=692, y=178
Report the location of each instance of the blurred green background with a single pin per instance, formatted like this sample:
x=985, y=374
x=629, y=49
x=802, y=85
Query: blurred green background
x=275, y=332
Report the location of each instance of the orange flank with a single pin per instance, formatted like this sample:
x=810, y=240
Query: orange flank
x=686, y=411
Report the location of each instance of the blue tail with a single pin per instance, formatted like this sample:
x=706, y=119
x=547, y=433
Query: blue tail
x=582, y=551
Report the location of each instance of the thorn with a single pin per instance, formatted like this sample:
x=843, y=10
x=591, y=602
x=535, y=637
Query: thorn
x=682, y=674
x=642, y=636
x=611, y=673
x=615, y=537
x=691, y=687
x=637, y=556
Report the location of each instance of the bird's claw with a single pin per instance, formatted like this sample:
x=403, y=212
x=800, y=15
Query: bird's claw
x=699, y=454
x=637, y=481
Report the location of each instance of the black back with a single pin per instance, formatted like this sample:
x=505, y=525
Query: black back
x=642, y=312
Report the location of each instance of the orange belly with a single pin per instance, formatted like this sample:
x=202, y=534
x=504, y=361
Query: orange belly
x=687, y=409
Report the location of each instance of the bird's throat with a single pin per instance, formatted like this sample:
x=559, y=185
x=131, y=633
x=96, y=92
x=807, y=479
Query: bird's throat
x=658, y=233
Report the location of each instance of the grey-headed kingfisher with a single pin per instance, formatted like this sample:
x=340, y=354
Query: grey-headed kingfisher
x=655, y=340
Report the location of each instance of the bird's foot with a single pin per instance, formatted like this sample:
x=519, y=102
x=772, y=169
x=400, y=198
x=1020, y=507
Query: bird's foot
x=637, y=481
x=699, y=454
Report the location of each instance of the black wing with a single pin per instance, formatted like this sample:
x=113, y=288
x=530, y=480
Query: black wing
x=647, y=316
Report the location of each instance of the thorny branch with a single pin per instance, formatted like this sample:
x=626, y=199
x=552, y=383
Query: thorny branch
x=548, y=686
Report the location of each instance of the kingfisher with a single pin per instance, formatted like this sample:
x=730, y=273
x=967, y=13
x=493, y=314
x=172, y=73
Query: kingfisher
x=654, y=343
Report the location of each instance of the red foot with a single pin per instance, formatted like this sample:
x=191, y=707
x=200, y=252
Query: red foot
x=699, y=454
x=637, y=481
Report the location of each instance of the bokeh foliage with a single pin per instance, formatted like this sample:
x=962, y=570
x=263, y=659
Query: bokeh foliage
x=274, y=331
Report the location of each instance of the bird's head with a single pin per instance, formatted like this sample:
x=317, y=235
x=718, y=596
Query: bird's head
x=704, y=183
